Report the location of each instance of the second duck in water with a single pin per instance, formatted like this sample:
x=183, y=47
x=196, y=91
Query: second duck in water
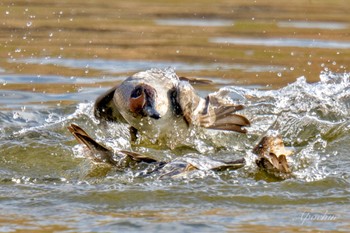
x=157, y=103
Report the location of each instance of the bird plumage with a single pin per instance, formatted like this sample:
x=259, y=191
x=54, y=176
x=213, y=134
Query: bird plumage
x=154, y=102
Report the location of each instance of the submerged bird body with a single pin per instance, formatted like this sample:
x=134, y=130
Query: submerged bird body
x=122, y=159
x=270, y=151
x=157, y=103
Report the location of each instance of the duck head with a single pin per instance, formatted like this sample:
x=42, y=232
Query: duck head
x=143, y=101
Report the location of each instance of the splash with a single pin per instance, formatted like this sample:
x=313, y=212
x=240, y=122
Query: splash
x=309, y=116
x=299, y=111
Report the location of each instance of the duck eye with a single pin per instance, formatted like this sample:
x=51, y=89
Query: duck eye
x=137, y=92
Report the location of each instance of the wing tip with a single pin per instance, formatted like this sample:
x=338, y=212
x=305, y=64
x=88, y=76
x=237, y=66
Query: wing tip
x=236, y=123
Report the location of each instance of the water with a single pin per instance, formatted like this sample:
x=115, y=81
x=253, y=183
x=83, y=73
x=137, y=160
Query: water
x=310, y=25
x=57, y=57
x=47, y=184
x=195, y=22
x=284, y=42
x=121, y=66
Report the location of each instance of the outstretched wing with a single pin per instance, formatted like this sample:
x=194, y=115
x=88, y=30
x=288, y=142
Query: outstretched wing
x=98, y=152
x=138, y=157
x=102, y=154
x=231, y=165
x=105, y=109
x=209, y=112
x=223, y=117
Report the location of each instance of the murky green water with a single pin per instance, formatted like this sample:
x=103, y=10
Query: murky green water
x=52, y=77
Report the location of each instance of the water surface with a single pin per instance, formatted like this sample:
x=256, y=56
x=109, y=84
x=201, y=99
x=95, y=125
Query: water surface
x=195, y=22
x=310, y=25
x=57, y=57
x=51, y=181
x=284, y=42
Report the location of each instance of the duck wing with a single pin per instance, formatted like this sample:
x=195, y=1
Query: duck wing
x=97, y=152
x=231, y=165
x=105, y=109
x=137, y=157
x=209, y=112
x=102, y=154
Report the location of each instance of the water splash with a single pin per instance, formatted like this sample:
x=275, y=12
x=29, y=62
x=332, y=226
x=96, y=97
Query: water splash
x=311, y=117
x=300, y=110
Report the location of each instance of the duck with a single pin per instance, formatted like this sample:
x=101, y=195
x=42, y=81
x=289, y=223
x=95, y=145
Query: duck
x=157, y=103
x=120, y=160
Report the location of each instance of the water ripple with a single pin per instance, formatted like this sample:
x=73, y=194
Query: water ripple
x=283, y=42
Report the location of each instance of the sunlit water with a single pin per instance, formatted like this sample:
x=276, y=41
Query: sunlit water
x=284, y=42
x=120, y=66
x=46, y=183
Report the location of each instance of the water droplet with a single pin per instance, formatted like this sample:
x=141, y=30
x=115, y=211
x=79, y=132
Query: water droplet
x=279, y=74
x=15, y=115
x=29, y=24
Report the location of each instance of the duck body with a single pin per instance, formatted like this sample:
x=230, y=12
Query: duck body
x=157, y=103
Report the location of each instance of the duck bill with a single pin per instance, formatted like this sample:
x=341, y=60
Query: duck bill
x=149, y=107
x=150, y=111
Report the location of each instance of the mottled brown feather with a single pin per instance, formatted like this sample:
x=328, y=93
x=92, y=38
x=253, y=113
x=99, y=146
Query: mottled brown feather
x=98, y=152
x=139, y=157
x=272, y=155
